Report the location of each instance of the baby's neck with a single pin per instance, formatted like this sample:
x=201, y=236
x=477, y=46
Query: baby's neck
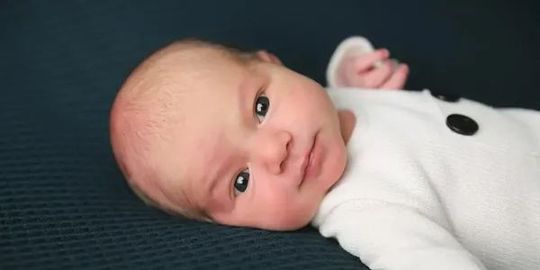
x=347, y=121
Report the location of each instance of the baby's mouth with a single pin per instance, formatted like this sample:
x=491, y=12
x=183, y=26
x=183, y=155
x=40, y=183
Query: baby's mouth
x=306, y=163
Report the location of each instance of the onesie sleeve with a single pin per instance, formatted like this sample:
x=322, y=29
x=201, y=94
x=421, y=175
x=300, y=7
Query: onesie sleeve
x=354, y=45
x=391, y=236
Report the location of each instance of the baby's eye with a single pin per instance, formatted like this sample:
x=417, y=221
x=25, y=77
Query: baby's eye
x=241, y=182
x=262, y=104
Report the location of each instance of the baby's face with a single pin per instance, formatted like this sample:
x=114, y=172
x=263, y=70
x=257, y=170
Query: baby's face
x=260, y=146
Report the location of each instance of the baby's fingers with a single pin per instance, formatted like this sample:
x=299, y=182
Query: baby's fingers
x=368, y=60
x=398, y=79
x=377, y=76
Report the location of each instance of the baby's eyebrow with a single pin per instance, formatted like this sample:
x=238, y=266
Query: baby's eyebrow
x=220, y=192
x=210, y=200
x=247, y=91
x=218, y=186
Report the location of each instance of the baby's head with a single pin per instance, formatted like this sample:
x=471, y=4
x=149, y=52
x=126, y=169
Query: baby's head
x=216, y=134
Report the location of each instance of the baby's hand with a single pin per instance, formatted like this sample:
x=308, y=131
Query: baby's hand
x=372, y=70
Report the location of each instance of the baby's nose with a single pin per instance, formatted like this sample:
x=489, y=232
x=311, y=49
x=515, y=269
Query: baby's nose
x=273, y=151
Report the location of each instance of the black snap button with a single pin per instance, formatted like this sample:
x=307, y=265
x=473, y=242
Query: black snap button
x=461, y=124
x=445, y=97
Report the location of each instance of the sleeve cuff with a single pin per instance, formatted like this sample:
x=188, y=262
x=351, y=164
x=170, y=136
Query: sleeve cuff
x=351, y=45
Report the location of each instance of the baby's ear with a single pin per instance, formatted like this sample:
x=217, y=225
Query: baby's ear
x=266, y=56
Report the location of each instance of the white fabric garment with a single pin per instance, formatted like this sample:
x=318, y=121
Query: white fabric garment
x=417, y=195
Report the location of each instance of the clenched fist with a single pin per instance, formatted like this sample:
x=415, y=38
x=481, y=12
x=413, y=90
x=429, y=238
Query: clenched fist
x=356, y=64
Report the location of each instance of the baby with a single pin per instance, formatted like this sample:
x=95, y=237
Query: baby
x=402, y=179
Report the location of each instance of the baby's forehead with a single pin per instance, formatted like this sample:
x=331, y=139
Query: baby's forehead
x=187, y=89
x=191, y=107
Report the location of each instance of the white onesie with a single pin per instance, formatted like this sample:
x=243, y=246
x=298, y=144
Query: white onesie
x=436, y=184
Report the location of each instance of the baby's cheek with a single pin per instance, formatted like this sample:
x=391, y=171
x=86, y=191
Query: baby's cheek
x=290, y=215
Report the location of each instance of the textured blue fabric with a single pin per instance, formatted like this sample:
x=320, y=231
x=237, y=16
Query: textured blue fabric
x=63, y=202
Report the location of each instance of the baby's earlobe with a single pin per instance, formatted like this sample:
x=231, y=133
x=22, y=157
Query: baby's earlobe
x=268, y=57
